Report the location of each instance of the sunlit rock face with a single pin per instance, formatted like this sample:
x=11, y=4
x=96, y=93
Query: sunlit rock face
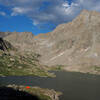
x=76, y=43
x=23, y=41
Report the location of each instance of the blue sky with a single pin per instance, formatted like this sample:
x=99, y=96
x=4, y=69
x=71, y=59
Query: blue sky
x=41, y=16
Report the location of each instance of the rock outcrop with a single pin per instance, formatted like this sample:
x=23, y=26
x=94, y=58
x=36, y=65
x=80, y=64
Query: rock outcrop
x=5, y=45
x=23, y=41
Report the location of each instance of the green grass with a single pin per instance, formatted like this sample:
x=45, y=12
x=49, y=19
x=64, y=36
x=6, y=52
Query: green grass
x=56, y=68
x=19, y=65
x=97, y=68
x=38, y=92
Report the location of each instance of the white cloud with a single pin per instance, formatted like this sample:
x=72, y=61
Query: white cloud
x=19, y=10
x=2, y=13
x=65, y=4
x=35, y=22
x=68, y=9
x=57, y=11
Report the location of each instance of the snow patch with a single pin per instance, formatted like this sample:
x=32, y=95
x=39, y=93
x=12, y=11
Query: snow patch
x=57, y=56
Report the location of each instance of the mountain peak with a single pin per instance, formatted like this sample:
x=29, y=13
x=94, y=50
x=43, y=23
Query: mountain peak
x=88, y=17
x=84, y=11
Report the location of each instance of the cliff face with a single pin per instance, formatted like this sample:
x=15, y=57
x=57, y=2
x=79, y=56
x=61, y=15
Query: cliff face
x=76, y=43
x=4, y=34
x=23, y=41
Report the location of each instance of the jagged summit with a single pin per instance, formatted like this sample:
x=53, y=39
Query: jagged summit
x=88, y=17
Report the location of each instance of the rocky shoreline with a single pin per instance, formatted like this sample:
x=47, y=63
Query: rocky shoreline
x=94, y=70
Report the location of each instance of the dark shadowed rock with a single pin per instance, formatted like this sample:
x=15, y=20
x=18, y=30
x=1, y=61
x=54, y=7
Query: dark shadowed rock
x=7, y=93
x=4, y=45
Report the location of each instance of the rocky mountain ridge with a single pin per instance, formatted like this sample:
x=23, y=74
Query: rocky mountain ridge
x=21, y=40
x=75, y=44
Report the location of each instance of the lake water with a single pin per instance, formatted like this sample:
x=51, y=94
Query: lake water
x=75, y=86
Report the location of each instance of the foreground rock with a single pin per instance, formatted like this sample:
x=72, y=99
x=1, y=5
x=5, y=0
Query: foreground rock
x=36, y=93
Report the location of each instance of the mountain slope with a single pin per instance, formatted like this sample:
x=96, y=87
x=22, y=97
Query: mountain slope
x=75, y=44
x=18, y=61
x=21, y=40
